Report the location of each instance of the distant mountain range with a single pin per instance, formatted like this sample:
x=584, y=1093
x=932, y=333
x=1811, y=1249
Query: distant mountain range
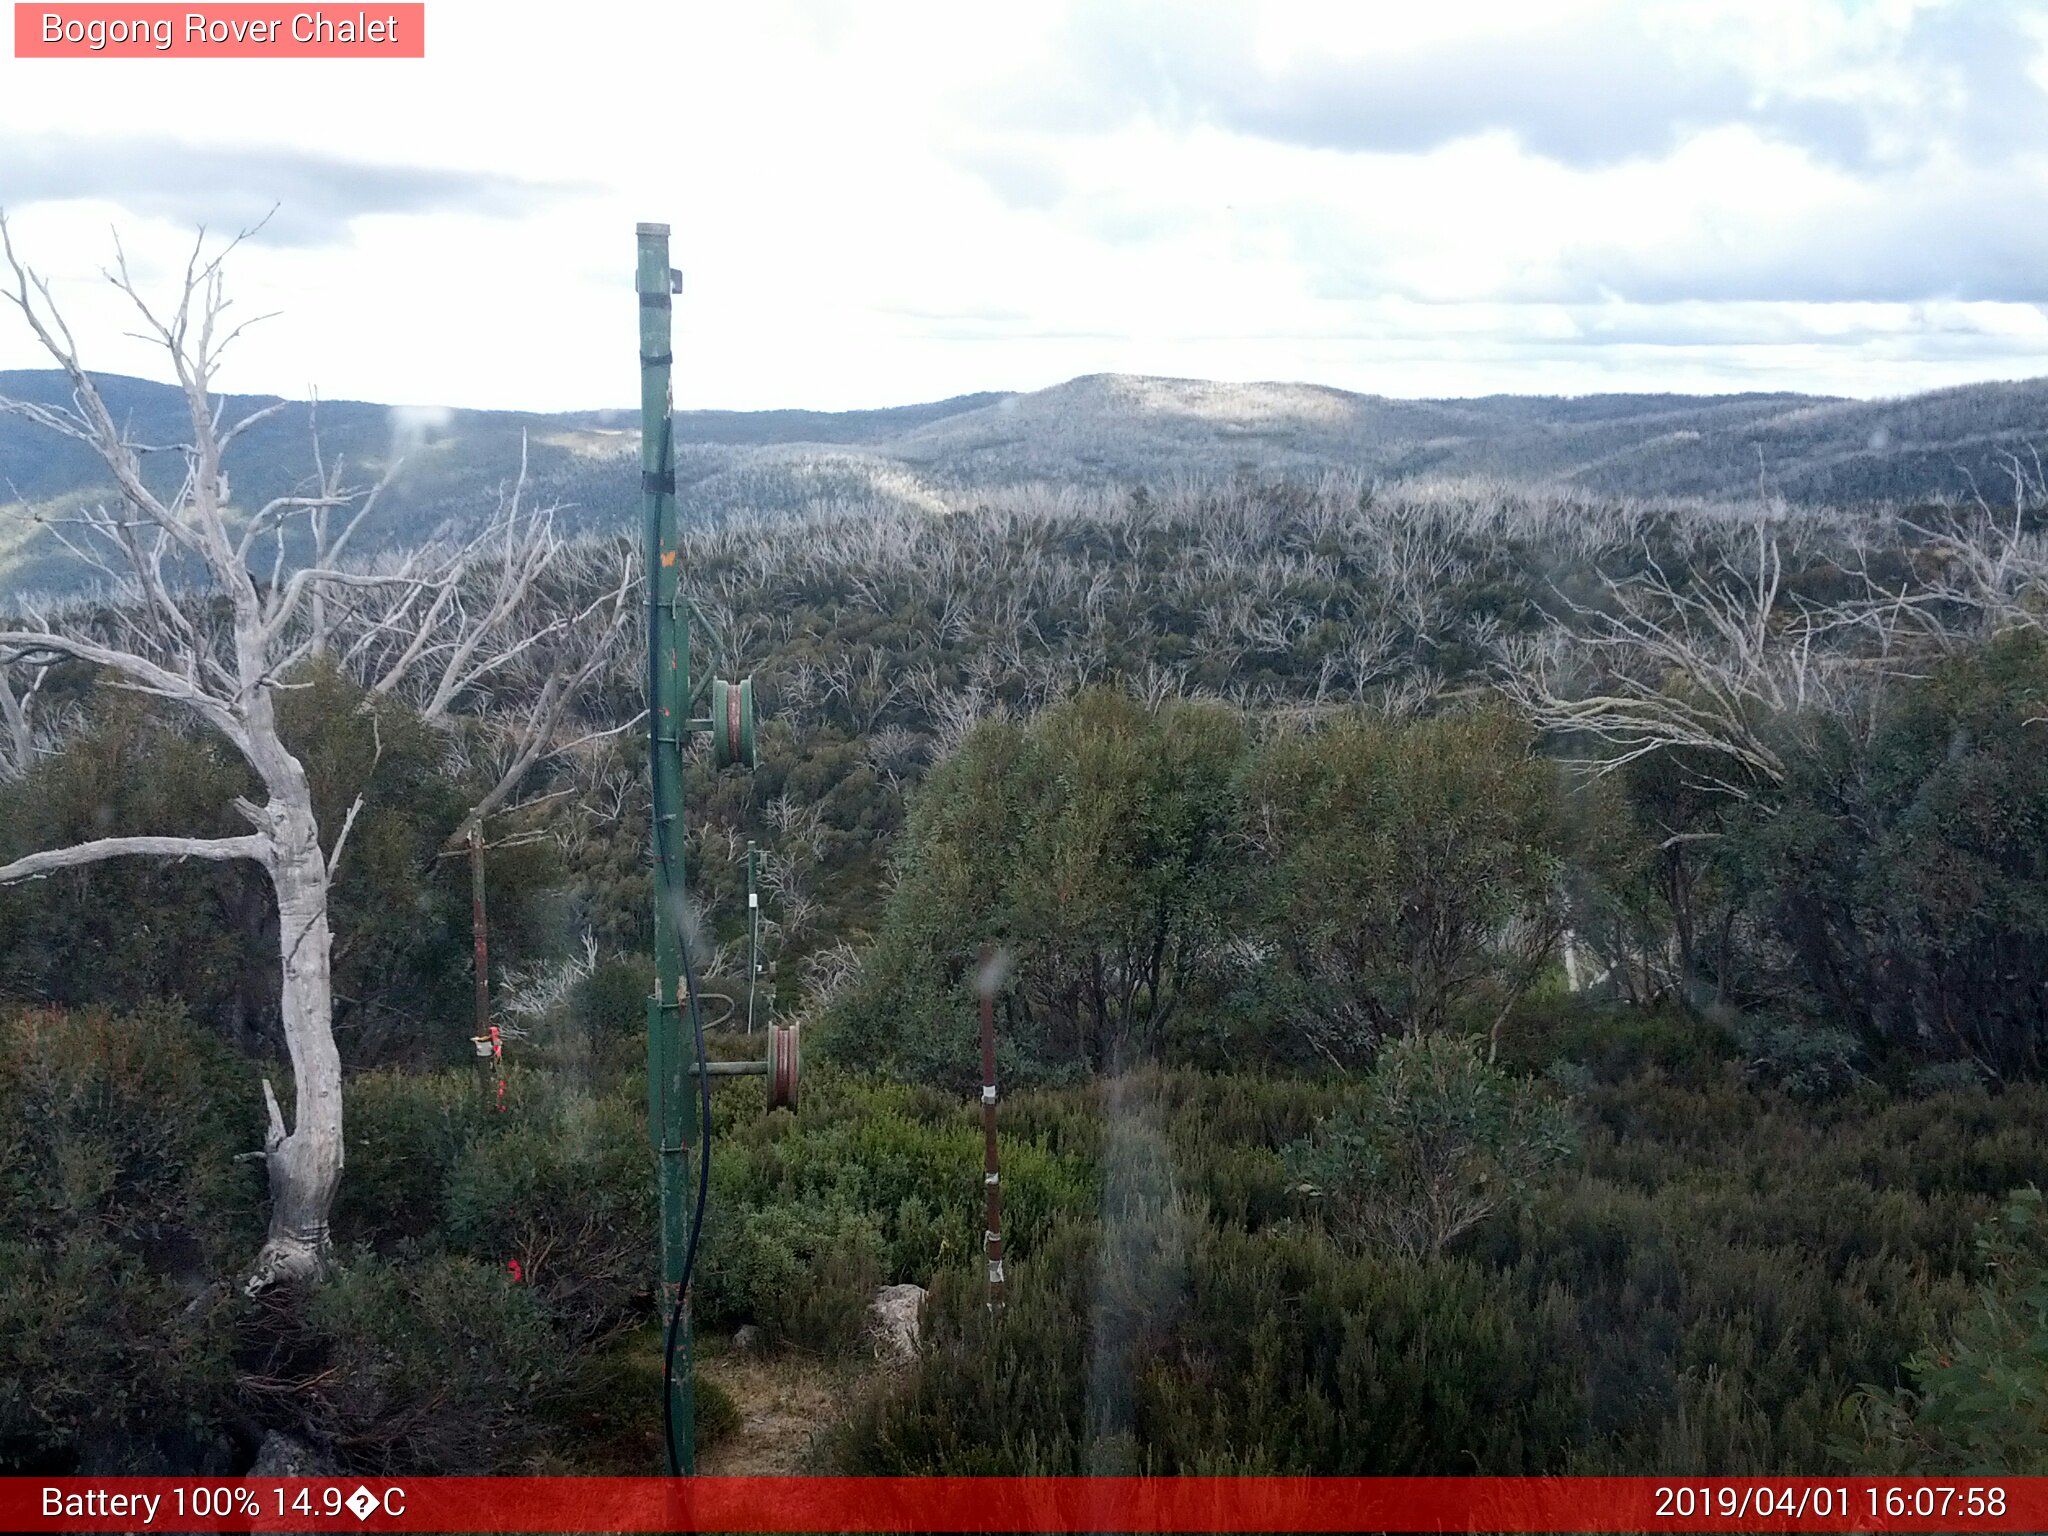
x=1102, y=430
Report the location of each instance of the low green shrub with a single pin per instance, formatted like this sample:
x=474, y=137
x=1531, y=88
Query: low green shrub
x=1612, y=1044
x=1802, y=1060
x=405, y=1133
x=804, y=1271
x=1436, y=1142
x=1978, y=1398
x=442, y=1364
x=127, y=1126
x=121, y=1206
x=612, y=1000
x=101, y=1362
x=1704, y=1292
x=716, y=1415
x=566, y=1193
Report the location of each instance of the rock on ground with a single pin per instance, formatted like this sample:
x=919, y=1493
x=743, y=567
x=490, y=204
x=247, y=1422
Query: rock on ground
x=282, y=1456
x=894, y=1317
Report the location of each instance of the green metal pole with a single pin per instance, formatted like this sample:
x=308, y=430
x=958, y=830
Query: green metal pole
x=753, y=936
x=671, y=1103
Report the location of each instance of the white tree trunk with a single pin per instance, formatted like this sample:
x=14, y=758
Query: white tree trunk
x=305, y=1161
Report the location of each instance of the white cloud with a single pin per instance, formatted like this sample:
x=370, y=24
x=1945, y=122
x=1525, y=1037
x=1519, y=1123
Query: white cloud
x=885, y=203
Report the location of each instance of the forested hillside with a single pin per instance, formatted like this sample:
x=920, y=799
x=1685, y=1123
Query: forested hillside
x=1507, y=982
x=1101, y=432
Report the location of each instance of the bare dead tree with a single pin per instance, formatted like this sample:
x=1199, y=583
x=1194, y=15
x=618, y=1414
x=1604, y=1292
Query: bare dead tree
x=895, y=751
x=222, y=662
x=796, y=906
x=20, y=745
x=1697, y=664
x=1972, y=573
x=490, y=634
x=199, y=610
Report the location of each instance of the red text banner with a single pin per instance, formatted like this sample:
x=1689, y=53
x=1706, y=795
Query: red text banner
x=1024, y=1504
x=225, y=31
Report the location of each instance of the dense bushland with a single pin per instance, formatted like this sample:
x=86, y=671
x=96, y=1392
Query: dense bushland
x=1165, y=882
x=1493, y=980
x=1710, y=1274
x=1716, y=1278
x=206, y=934
x=1176, y=882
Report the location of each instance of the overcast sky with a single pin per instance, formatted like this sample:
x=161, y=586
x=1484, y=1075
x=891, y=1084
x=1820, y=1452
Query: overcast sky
x=881, y=202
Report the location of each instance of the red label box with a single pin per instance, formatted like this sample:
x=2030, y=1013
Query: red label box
x=376, y=30
x=1027, y=1504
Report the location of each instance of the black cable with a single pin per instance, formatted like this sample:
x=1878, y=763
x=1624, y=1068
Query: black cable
x=675, y=1316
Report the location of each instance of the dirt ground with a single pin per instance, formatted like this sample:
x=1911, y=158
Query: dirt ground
x=785, y=1400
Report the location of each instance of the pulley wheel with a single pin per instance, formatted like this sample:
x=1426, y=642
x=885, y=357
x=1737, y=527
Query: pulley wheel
x=732, y=723
x=782, y=1066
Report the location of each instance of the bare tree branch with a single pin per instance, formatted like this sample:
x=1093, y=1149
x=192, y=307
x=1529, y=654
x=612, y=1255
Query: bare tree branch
x=35, y=865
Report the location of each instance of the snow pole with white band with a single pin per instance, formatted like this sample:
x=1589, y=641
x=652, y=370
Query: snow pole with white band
x=992, y=1180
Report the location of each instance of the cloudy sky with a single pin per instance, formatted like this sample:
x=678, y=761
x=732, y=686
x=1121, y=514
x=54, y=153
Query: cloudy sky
x=881, y=202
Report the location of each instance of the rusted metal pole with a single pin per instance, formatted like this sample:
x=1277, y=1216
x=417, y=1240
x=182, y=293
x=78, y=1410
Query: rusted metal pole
x=479, y=933
x=992, y=1230
x=479, y=929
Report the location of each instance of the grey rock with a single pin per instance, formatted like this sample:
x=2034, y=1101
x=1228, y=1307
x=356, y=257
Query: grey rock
x=895, y=1317
x=282, y=1456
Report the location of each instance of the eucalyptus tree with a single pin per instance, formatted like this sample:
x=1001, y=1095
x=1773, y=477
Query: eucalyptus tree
x=196, y=607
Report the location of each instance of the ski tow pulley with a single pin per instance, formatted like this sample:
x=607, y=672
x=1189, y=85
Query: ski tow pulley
x=782, y=1066
x=732, y=723
x=779, y=1065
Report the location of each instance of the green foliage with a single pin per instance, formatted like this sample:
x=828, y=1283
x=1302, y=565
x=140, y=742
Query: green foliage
x=129, y=929
x=1703, y=1295
x=99, y=1358
x=1900, y=883
x=869, y=1183
x=1979, y=1399
x=1803, y=1060
x=1411, y=868
x=1435, y=1143
x=1723, y=1271
x=403, y=967
x=120, y=1200
x=1743, y=1242
x=206, y=933
x=559, y=1181
x=567, y=1193
x=1159, y=886
x=715, y=1415
x=1610, y=1044
x=441, y=1364
x=1161, y=1350
x=125, y=1127
x=404, y=1133
x=612, y=1000
x=1093, y=849
x=805, y=1272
